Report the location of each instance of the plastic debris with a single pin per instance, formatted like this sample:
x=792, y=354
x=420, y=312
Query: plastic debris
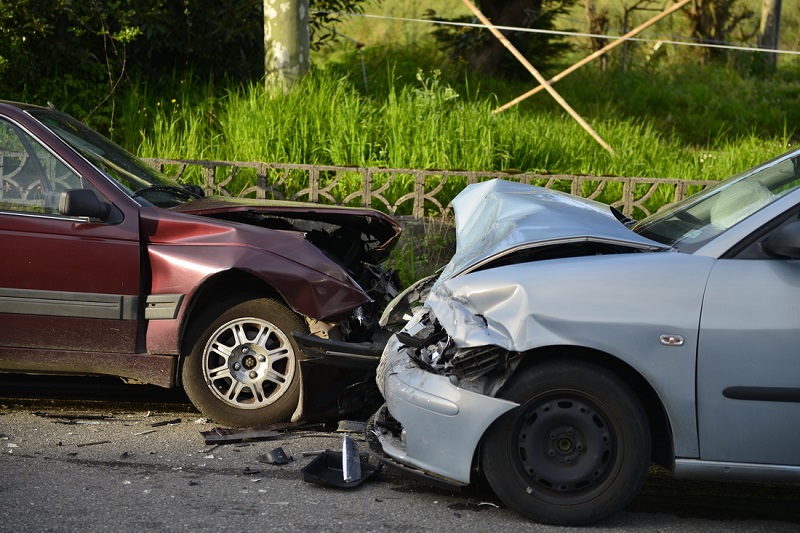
x=93, y=443
x=232, y=436
x=274, y=457
x=165, y=423
x=351, y=426
x=351, y=462
x=326, y=469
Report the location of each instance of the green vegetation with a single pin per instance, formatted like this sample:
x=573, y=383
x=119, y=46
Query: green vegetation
x=684, y=122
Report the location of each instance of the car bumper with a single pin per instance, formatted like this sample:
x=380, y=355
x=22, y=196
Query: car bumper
x=338, y=378
x=434, y=426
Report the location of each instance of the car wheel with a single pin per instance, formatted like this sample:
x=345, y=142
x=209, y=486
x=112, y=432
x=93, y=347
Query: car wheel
x=577, y=448
x=243, y=367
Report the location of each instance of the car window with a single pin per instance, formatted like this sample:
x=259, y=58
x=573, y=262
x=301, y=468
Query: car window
x=698, y=219
x=751, y=247
x=133, y=176
x=31, y=177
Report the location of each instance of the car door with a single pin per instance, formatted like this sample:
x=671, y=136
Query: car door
x=748, y=372
x=66, y=283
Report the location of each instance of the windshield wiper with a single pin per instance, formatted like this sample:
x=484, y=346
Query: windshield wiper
x=179, y=191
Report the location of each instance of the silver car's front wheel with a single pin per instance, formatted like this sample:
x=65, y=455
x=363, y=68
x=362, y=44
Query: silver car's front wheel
x=243, y=368
x=576, y=449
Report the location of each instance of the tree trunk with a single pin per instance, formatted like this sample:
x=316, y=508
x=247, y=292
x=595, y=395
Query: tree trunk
x=286, y=42
x=769, y=31
x=598, y=25
x=519, y=13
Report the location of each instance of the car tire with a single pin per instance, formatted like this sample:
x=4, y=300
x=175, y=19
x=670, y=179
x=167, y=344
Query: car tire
x=575, y=451
x=243, y=366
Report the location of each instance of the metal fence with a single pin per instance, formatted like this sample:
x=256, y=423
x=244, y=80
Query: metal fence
x=409, y=192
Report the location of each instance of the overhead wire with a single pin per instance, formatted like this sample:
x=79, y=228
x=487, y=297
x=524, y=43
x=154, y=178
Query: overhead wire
x=565, y=33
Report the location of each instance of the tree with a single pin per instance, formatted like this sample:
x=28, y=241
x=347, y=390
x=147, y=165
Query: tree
x=598, y=25
x=713, y=22
x=486, y=55
x=286, y=41
x=292, y=28
x=769, y=32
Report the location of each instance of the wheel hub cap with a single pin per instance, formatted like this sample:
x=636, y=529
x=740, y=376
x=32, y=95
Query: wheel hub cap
x=248, y=363
x=564, y=445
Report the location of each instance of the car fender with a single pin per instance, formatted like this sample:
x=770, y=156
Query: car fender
x=626, y=305
x=185, y=252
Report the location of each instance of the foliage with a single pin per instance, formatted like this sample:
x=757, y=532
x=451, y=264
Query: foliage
x=714, y=21
x=425, y=246
x=325, y=14
x=483, y=52
x=421, y=123
x=77, y=53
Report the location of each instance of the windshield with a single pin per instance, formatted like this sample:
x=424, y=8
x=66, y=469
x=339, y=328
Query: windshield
x=691, y=223
x=138, y=179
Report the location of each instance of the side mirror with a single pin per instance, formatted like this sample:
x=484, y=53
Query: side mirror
x=83, y=203
x=785, y=242
x=194, y=189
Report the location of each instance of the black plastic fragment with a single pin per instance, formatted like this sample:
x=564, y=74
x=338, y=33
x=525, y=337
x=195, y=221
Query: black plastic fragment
x=326, y=469
x=165, y=423
x=274, y=457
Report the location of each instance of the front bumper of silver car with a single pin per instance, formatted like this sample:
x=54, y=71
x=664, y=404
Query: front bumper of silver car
x=429, y=424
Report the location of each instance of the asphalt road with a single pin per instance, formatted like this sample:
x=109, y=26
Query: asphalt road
x=90, y=455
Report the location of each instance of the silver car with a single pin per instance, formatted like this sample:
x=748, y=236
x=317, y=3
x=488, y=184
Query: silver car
x=565, y=347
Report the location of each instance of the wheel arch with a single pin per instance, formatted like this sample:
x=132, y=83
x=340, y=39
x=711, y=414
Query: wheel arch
x=662, y=452
x=227, y=285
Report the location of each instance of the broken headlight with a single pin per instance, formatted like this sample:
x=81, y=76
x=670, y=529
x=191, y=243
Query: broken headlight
x=434, y=350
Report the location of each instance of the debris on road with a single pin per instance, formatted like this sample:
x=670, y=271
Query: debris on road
x=346, y=469
x=232, y=436
x=268, y=432
x=166, y=423
x=275, y=457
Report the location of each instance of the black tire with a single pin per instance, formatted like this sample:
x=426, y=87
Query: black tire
x=575, y=451
x=243, y=366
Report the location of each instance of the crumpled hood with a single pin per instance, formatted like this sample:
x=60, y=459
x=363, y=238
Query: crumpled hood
x=380, y=229
x=497, y=217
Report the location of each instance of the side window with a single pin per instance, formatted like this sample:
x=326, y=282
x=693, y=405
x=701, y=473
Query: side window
x=753, y=250
x=31, y=178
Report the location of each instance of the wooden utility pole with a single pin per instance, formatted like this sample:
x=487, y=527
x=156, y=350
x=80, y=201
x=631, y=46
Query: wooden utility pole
x=770, y=31
x=286, y=42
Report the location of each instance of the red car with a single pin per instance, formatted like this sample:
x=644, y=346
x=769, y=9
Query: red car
x=109, y=267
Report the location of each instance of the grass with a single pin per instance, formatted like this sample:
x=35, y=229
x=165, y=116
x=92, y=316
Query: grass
x=428, y=122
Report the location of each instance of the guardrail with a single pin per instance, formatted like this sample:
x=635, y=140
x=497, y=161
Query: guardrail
x=409, y=192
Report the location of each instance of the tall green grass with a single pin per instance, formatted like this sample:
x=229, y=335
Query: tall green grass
x=422, y=123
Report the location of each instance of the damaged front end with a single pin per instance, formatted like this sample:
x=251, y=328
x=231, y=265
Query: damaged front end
x=481, y=369
x=437, y=388
x=343, y=345
x=340, y=370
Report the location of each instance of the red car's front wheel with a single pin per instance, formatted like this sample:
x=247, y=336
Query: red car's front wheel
x=243, y=368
